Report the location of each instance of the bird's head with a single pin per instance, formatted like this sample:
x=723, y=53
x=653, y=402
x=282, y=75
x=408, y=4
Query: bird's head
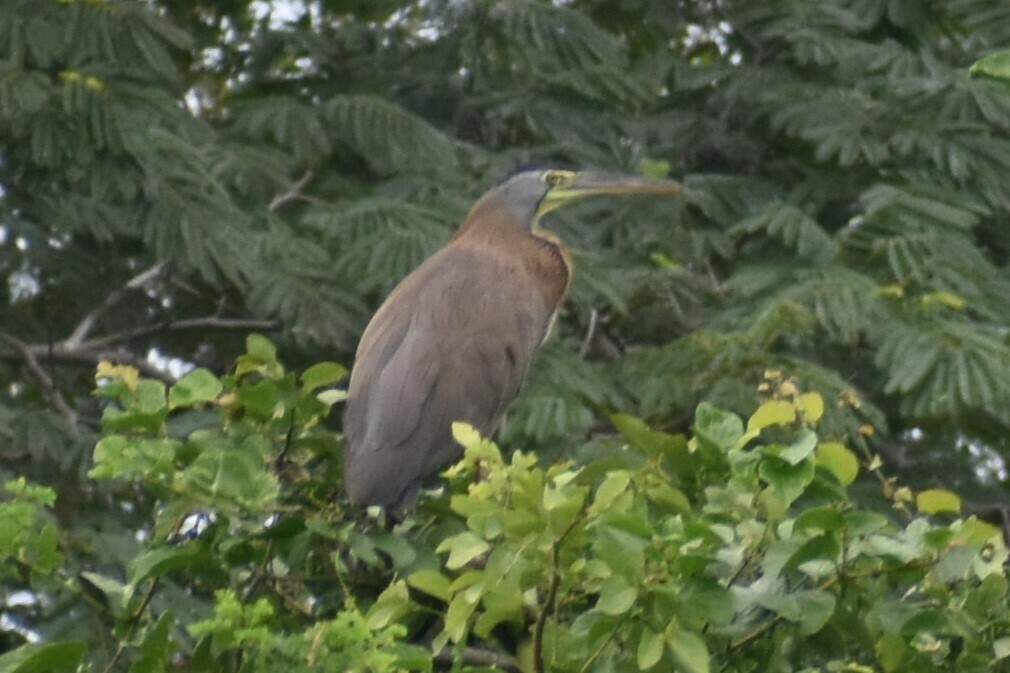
x=529, y=194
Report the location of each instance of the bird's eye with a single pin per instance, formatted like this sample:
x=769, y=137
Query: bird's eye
x=553, y=178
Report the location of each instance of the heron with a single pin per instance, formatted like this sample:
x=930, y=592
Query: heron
x=454, y=339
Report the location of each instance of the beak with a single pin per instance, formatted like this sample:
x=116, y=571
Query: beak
x=589, y=183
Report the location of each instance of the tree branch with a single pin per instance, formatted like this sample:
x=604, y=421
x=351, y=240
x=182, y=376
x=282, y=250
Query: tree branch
x=295, y=192
x=83, y=357
x=88, y=322
x=209, y=322
x=587, y=341
x=474, y=656
x=44, y=381
x=552, y=593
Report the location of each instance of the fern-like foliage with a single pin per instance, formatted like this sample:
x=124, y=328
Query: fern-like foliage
x=795, y=228
x=376, y=242
x=388, y=138
x=945, y=367
x=565, y=48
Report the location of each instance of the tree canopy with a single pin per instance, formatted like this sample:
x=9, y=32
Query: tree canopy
x=177, y=175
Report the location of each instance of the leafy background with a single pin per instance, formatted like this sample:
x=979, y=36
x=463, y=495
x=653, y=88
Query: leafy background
x=175, y=175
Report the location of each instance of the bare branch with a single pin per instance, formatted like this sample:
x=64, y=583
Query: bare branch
x=209, y=322
x=44, y=381
x=587, y=341
x=474, y=656
x=88, y=322
x=294, y=193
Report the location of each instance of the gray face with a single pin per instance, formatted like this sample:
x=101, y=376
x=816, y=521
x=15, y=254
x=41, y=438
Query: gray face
x=522, y=193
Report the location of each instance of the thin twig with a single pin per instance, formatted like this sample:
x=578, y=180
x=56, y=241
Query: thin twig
x=134, y=620
x=89, y=359
x=295, y=192
x=88, y=322
x=209, y=322
x=587, y=341
x=552, y=592
x=474, y=656
x=260, y=574
x=599, y=650
x=44, y=381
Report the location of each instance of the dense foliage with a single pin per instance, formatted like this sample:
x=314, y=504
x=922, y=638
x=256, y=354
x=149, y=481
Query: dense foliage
x=175, y=174
x=737, y=549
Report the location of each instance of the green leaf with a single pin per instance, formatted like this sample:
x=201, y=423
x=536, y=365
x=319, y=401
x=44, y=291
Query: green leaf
x=331, y=397
x=956, y=563
x=115, y=592
x=156, y=562
x=616, y=596
x=838, y=460
x=650, y=649
x=431, y=582
x=689, y=651
x=937, y=500
x=390, y=606
x=994, y=66
x=810, y=609
x=615, y=484
x=261, y=348
x=465, y=435
x=812, y=406
x=150, y=396
x=120, y=457
x=322, y=374
x=826, y=519
x=462, y=549
x=260, y=356
x=1001, y=648
x=789, y=481
x=43, y=657
x=654, y=443
x=824, y=547
x=196, y=387
x=458, y=616
x=230, y=473
x=154, y=650
x=800, y=449
x=654, y=168
x=892, y=651
x=721, y=428
x=772, y=412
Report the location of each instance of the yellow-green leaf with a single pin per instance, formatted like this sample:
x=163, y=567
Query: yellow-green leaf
x=948, y=299
x=463, y=548
x=936, y=500
x=1001, y=648
x=689, y=651
x=194, y=388
x=650, y=649
x=465, y=434
x=773, y=412
x=839, y=460
x=390, y=606
x=616, y=596
x=812, y=406
x=612, y=487
x=430, y=582
x=331, y=397
x=994, y=66
x=322, y=374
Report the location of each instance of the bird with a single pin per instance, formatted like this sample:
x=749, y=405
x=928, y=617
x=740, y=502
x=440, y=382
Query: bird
x=454, y=339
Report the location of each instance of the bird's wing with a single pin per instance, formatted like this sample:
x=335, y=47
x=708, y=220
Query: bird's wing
x=453, y=342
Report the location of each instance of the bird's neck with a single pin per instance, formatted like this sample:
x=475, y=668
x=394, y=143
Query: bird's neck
x=538, y=252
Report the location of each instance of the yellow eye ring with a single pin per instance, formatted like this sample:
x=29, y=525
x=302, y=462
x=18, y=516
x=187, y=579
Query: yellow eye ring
x=553, y=178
